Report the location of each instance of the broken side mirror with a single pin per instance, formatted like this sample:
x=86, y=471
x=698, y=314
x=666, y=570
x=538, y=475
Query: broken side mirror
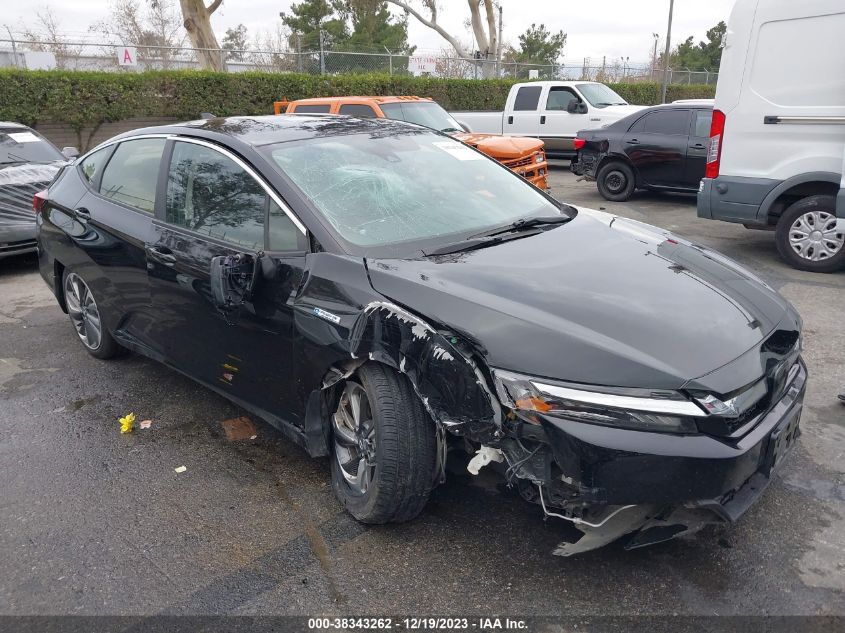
x=233, y=278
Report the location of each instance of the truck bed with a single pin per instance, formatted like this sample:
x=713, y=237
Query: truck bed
x=488, y=122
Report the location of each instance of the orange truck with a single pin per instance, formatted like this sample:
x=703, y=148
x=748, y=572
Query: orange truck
x=523, y=155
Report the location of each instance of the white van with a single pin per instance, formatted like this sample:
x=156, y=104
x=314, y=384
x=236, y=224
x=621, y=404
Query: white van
x=776, y=155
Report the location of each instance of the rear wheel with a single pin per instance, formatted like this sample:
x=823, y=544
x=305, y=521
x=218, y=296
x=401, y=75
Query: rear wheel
x=384, y=453
x=807, y=237
x=616, y=181
x=86, y=318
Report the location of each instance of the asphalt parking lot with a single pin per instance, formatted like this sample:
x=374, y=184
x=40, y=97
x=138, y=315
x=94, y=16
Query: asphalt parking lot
x=95, y=522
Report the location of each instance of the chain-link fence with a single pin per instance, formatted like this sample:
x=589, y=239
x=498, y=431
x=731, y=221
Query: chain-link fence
x=117, y=57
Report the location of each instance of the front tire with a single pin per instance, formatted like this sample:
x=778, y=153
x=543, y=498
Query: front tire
x=807, y=238
x=86, y=318
x=384, y=442
x=616, y=181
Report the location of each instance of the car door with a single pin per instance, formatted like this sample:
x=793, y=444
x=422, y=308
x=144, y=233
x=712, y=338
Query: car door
x=557, y=126
x=110, y=224
x=697, y=147
x=214, y=204
x=523, y=119
x=656, y=145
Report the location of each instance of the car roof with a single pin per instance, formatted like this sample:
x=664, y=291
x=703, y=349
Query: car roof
x=274, y=128
x=372, y=99
x=12, y=124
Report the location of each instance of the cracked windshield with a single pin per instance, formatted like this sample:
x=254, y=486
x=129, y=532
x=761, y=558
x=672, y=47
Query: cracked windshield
x=408, y=187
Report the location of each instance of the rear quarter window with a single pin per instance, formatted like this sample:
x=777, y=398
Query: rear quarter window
x=91, y=166
x=312, y=109
x=357, y=109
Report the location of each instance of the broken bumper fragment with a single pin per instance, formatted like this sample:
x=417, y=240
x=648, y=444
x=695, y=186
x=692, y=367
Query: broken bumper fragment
x=652, y=486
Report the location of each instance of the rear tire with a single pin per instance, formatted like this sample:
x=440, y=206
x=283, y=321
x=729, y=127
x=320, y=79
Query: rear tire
x=616, y=181
x=86, y=318
x=806, y=236
x=394, y=437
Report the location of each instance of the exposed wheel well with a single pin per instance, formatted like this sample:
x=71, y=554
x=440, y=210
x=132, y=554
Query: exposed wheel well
x=795, y=193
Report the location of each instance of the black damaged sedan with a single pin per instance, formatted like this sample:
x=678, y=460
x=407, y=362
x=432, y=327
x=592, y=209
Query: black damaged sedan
x=385, y=295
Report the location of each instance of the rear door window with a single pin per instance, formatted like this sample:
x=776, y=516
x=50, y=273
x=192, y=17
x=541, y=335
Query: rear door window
x=357, y=109
x=209, y=193
x=131, y=175
x=671, y=122
x=312, y=109
x=527, y=98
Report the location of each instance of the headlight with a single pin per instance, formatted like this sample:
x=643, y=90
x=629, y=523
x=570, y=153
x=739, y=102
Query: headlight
x=639, y=409
x=539, y=158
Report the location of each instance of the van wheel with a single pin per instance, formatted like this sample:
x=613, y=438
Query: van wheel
x=616, y=181
x=384, y=447
x=86, y=318
x=807, y=237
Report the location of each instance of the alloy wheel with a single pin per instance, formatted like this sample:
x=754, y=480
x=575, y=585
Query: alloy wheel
x=355, y=437
x=83, y=311
x=813, y=236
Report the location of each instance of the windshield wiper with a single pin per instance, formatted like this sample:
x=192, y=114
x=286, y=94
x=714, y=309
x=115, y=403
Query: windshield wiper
x=522, y=224
x=474, y=243
x=451, y=129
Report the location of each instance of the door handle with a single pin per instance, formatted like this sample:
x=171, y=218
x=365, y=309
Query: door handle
x=82, y=214
x=162, y=254
x=697, y=146
x=542, y=119
x=633, y=141
x=510, y=120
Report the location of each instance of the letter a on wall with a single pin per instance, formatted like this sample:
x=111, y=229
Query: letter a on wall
x=126, y=56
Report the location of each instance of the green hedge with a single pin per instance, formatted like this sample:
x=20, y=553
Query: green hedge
x=83, y=99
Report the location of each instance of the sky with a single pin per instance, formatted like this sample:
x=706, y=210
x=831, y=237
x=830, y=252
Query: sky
x=594, y=28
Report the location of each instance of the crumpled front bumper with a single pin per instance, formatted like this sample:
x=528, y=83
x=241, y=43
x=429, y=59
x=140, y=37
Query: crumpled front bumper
x=674, y=483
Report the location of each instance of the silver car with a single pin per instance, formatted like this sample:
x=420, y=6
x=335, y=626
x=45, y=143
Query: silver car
x=28, y=162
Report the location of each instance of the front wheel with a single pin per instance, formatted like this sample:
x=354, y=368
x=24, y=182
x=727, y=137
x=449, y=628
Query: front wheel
x=807, y=237
x=384, y=453
x=616, y=181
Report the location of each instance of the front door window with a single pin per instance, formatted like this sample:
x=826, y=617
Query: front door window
x=209, y=193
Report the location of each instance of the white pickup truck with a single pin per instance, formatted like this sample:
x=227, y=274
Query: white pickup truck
x=552, y=111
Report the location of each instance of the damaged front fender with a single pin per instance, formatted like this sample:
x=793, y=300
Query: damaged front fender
x=342, y=322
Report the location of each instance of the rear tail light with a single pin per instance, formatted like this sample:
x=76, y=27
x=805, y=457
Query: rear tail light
x=578, y=143
x=714, y=147
x=39, y=200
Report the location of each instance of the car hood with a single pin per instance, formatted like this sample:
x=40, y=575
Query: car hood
x=600, y=300
x=502, y=147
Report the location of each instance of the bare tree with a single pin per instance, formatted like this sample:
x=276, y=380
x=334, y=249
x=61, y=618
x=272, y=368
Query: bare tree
x=484, y=27
x=154, y=26
x=196, y=18
x=271, y=52
x=47, y=38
